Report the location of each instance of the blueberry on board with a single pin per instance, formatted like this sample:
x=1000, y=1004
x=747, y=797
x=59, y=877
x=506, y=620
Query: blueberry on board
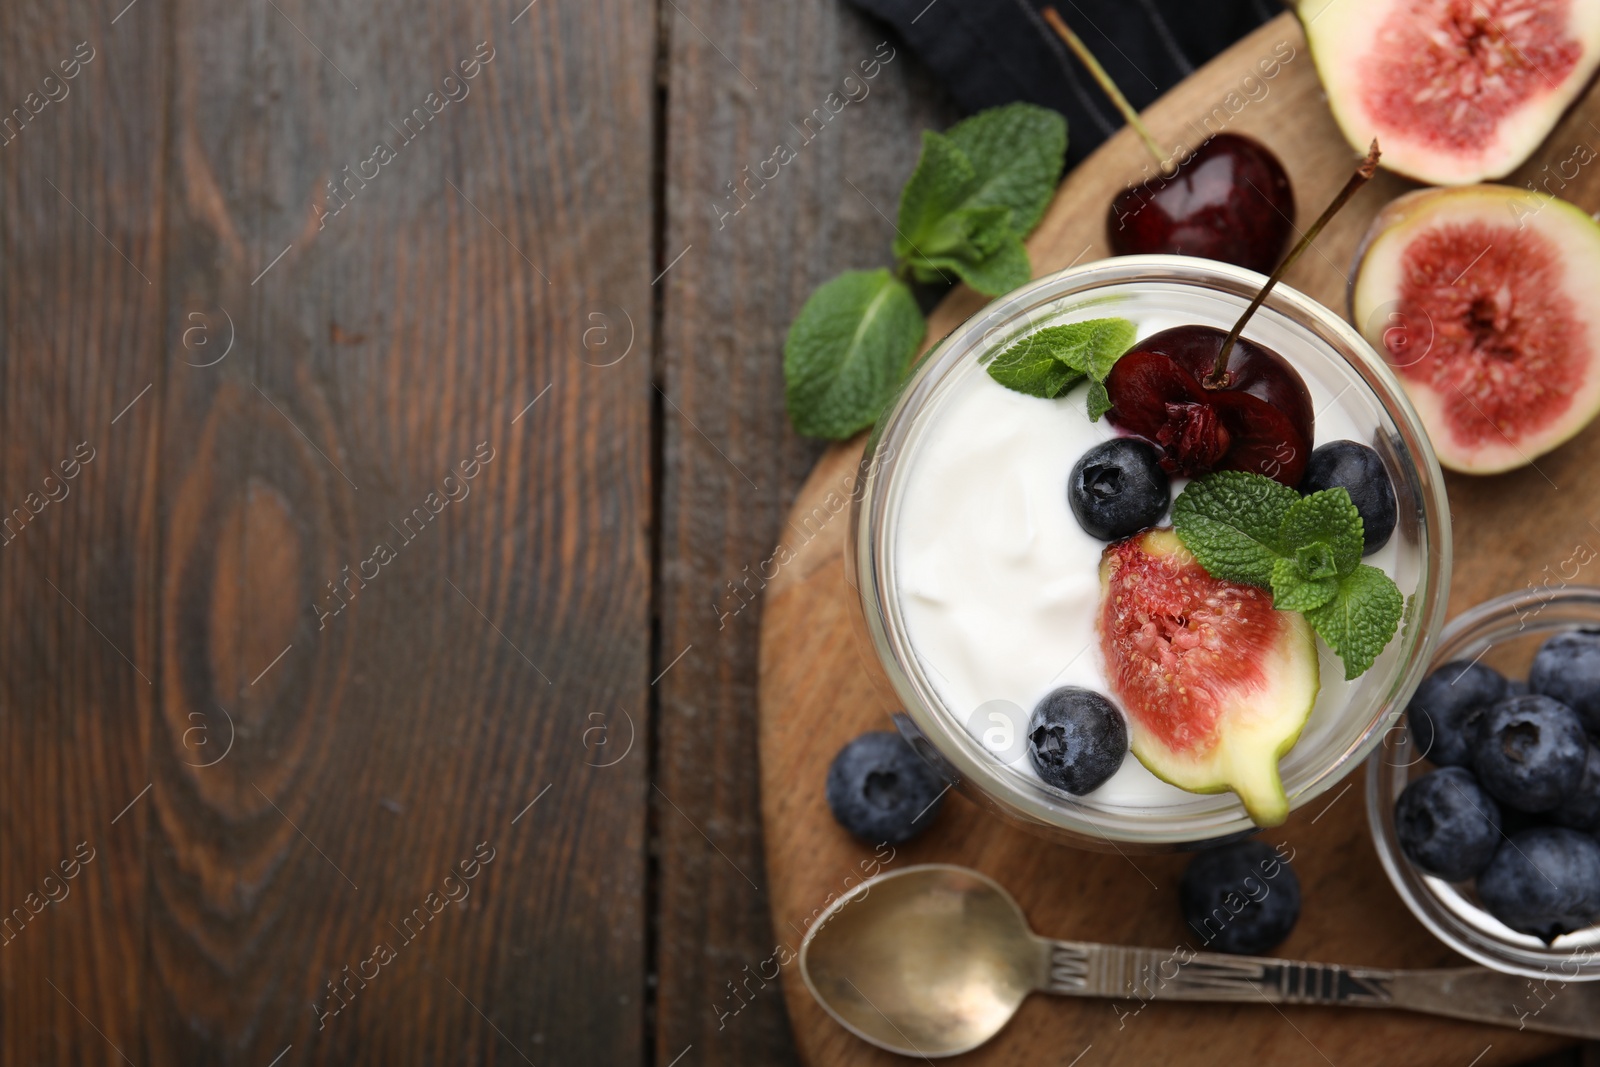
x=1360, y=472
x=1581, y=810
x=1076, y=739
x=1544, y=882
x=881, y=790
x=1447, y=825
x=1567, y=667
x=1118, y=488
x=1240, y=898
x=1530, y=752
x=1518, y=687
x=1444, y=713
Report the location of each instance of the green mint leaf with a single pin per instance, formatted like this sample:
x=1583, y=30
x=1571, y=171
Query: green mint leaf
x=1328, y=518
x=1004, y=269
x=1315, y=562
x=1099, y=400
x=1230, y=521
x=1292, y=590
x=1360, y=619
x=1088, y=347
x=976, y=191
x=999, y=271
x=969, y=232
x=1077, y=349
x=938, y=187
x=1016, y=152
x=1032, y=368
x=847, y=352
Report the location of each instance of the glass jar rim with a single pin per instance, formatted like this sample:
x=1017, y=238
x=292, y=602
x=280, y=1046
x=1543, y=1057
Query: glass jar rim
x=985, y=778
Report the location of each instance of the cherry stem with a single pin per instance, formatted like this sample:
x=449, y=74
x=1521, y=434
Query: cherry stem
x=1103, y=79
x=1369, y=166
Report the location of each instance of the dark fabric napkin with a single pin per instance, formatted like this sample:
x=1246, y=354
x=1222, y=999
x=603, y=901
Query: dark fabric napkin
x=990, y=52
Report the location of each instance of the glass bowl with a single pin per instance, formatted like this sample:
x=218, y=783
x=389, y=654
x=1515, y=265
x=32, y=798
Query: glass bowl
x=1503, y=633
x=1336, y=363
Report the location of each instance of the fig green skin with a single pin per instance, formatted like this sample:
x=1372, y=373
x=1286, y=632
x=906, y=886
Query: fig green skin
x=1263, y=796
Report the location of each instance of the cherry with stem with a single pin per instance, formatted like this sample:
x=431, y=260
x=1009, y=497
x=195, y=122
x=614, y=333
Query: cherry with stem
x=1363, y=174
x=1229, y=199
x=1212, y=400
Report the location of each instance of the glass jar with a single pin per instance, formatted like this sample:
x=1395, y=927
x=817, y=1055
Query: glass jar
x=1503, y=633
x=1334, y=361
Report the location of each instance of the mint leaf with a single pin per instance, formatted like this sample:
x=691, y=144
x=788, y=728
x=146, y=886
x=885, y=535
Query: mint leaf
x=1327, y=518
x=1230, y=522
x=1000, y=271
x=938, y=187
x=1360, y=619
x=1092, y=346
x=1016, y=152
x=1031, y=367
x=975, y=192
x=1099, y=401
x=1077, y=348
x=1293, y=590
x=1315, y=561
x=847, y=352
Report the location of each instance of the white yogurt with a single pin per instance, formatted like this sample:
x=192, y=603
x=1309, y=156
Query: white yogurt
x=999, y=586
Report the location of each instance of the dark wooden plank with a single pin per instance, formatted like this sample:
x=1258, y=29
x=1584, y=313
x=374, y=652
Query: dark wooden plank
x=80, y=340
x=741, y=83
x=371, y=746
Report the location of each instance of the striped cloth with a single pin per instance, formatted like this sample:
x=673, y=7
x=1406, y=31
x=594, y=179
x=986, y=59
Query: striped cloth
x=989, y=52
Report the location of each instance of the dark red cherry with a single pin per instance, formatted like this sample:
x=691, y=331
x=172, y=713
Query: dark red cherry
x=1230, y=201
x=1257, y=418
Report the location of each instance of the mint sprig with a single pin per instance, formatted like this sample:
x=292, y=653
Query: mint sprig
x=1245, y=527
x=847, y=350
x=1049, y=362
x=977, y=190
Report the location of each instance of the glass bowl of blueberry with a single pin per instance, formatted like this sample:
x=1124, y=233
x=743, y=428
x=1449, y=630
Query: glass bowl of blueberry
x=1485, y=802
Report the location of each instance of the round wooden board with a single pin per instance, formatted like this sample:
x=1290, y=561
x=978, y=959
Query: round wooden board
x=816, y=691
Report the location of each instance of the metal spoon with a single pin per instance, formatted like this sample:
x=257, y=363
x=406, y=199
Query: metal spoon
x=935, y=960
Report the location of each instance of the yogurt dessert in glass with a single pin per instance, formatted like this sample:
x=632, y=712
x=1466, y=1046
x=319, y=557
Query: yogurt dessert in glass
x=982, y=591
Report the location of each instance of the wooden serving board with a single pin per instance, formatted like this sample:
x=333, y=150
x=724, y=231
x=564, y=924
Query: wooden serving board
x=816, y=692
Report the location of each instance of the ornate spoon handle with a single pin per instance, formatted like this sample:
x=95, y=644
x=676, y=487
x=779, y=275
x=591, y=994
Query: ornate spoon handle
x=1081, y=968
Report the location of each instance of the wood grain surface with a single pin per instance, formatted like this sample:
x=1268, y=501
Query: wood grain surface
x=270, y=776
x=743, y=78
x=1511, y=531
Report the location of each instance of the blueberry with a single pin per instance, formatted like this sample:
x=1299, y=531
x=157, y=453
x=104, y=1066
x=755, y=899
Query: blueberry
x=1567, y=667
x=1518, y=688
x=881, y=790
x=1544, y=882
x=1076, y=739
x=1530, y=752
x=1581, y=810
x=1444, y=713
x=1447, y=824
x=1118, y=488
x=1240, y=898
x=1359, y=470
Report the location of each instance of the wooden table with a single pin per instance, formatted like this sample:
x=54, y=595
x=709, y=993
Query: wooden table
x=391, y=395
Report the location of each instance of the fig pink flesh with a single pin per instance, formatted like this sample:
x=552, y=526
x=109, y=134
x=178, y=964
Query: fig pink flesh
x=1496, y=336
x=1446, y=72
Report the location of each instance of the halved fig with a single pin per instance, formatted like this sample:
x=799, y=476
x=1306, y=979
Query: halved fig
x=1456, y=91
x=1482, y=299
x=1217, y=683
